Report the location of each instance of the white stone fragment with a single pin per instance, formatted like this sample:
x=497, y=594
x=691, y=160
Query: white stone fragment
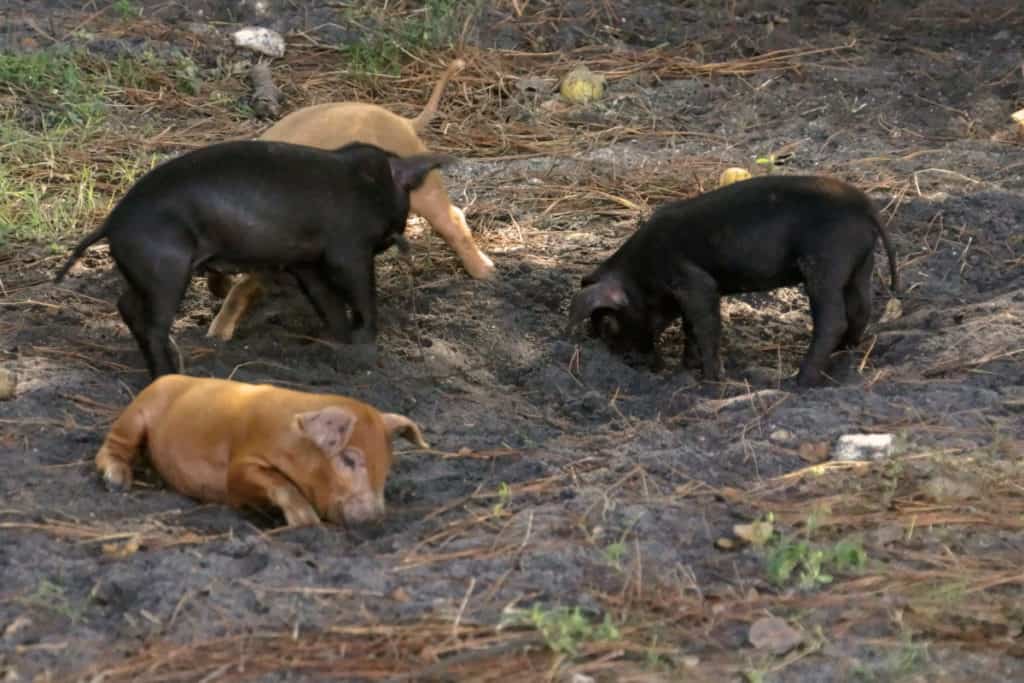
x=863, y=447
x=262, y=40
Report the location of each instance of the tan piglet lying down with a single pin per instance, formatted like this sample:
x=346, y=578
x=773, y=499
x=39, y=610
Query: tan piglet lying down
x=314, y=456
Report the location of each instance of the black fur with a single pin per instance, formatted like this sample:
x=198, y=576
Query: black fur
x=750, y=236
x=251, y=205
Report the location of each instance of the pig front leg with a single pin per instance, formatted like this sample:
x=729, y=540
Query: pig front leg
x=329, y=303
x=255, y=484
x=354, y=275
x=697, y=295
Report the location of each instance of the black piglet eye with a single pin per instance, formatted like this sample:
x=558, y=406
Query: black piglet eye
x=349, y=461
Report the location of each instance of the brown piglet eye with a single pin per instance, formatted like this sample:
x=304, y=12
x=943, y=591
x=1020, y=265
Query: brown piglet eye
x=349, y=461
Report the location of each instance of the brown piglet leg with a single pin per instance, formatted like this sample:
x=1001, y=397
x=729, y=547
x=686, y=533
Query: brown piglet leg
x=256, y=484
x=432, y=203
x=243, y=293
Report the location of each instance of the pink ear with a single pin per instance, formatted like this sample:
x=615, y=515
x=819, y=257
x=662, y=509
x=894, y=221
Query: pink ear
x=329, y=428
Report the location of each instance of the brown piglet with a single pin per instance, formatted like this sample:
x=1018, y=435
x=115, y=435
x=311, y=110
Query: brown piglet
x=313, y=456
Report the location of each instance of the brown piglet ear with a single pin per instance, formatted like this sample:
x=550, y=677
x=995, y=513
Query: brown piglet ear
x=394, y=422
x=329, y=428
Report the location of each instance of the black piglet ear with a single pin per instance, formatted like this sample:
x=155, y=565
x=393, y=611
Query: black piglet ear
x=409, y=172
x=607, y=293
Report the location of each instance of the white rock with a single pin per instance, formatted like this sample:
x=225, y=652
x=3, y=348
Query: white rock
x=581, y=678
x=863, y=447
x=262, y=40
x=781, y=436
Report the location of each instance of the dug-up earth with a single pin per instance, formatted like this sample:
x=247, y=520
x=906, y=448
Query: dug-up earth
x=579, y=517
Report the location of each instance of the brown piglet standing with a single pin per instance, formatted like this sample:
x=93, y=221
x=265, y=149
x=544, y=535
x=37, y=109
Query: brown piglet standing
x=313, y=456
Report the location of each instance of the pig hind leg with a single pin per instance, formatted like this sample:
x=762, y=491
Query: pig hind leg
x=157, y=279
x=825, y=290
x=432, y=202
x=691, y=352
x=857, y=295
x=237, y=302
x=122, y=446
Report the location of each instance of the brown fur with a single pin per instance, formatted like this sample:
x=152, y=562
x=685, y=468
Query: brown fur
x=258, y=445
x=331, y=125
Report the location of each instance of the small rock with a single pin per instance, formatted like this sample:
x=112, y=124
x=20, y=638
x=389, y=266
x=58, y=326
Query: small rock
x=775, y=635
x=724, y=543
x=581, y=678
x=259, y=39
x=259, y=7
x=781, y=436
x=755, y=533
x=943, y=489
x=534, y=84
x=761, y=376
x=851, y=447
x=814, y=451
x=1010, y=448
x=893, y=310
x=400, y=595
x=16, y=625
x=887, y=535
x=199, y=28
x=593, y=402
x=555, y=106
x=8, y=383
x=690, y=662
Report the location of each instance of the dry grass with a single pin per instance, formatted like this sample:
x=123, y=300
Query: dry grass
x=925, y=575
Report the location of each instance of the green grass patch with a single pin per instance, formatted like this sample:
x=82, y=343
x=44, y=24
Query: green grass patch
x=790, y=558
x=54, y=83
x=435, y=26
x=51, y=186
x=564, y=628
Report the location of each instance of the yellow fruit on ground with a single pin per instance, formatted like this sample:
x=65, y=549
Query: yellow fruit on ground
x=732, y=175
x=581, y=85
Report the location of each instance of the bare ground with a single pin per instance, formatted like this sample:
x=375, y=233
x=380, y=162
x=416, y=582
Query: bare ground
x=563, y=475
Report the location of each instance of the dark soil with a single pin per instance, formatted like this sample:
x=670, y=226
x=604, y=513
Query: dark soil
x=595, y=448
